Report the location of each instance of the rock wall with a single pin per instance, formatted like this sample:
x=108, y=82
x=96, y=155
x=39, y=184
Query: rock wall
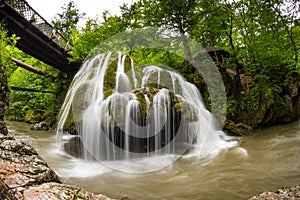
x=284, y=108
x=4, y=99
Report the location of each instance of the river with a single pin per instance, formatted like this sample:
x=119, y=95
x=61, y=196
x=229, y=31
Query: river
x=265, y=161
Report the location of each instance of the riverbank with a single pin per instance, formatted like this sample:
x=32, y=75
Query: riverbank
x=286, y=193
x=25, y=175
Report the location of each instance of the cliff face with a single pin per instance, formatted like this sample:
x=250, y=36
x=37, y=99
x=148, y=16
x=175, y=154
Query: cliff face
x=4, y=99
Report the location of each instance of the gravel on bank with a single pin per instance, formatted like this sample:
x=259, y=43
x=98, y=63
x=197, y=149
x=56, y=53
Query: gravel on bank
x=286, y=193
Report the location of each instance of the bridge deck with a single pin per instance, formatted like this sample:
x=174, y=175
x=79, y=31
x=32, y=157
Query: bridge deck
x=38, y=38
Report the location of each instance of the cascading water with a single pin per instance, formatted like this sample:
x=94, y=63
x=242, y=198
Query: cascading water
x=120, y=113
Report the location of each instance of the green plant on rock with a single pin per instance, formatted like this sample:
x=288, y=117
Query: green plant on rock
x=32, y=117
x=188, y=112
x=140, y=96
x=262, y=102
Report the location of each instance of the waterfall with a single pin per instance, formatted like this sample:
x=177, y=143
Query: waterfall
x=120, y=112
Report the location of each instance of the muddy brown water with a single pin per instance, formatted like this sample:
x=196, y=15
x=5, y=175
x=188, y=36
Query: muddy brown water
x=265, y=161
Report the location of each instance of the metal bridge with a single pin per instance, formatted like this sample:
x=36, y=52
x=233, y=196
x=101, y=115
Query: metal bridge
x=38, y=38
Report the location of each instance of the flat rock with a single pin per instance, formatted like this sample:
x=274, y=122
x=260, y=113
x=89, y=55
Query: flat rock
x=59, y=191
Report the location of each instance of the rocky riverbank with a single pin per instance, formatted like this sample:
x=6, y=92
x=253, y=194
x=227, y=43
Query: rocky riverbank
x=286, y=193
x=25, y=175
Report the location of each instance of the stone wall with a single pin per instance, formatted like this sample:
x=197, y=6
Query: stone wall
x=4, y=99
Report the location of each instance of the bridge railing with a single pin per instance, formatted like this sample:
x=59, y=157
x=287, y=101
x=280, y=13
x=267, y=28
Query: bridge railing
x=24, y=9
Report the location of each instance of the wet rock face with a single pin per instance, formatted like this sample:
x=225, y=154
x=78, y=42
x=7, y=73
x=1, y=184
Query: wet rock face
x=4, y=99
x=25, y=175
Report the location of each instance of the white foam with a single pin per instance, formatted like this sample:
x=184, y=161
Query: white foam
x=82, y=169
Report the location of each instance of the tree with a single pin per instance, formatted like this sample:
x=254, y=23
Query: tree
x=288, y=14
x=7, y=44
x=67, y=21
x=93, y=34
x=179, y=16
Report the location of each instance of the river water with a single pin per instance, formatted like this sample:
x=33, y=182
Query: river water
x=265, y=161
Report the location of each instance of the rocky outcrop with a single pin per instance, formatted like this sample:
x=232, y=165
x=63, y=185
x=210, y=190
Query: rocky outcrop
x=286, y=193
x=24, y=175
x=4, y=99
x=42, y=126
x=238, y=129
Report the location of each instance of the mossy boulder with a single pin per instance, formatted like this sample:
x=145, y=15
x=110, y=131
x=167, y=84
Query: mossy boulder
x=111, y=72
x=79, y=104
x=239, y=129
x=84, y=90
x=141, y=94
x=189, y=112
x=183, y=108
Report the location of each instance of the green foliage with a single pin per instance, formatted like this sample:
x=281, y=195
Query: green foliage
x=263, y=101
x=262, y=37
x=67, y=21
x=6, y=44
x=34, y=107
x=32, y=117
x=94, y=34
x=158, y=57
x=28, y=106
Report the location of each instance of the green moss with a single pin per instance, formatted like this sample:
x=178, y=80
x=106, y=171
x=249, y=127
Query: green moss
x=188, y=112
x=142, y=101
x=108, y=92
x=69, y=120
x=239, y=129
x=179, y=106
x=175, y=99
x=165, y=76
x=79, y=104
x=110, y=74
x=79, y=195
x=141, y=94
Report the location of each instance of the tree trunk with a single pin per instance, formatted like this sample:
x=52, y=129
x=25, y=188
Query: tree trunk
x=187, y=50
x=28, y=67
